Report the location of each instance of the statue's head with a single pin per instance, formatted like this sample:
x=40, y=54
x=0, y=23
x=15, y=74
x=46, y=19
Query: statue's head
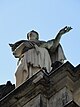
x=32, y=35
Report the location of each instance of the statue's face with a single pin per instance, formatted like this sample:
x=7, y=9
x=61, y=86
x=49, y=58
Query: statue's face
x=32, y=36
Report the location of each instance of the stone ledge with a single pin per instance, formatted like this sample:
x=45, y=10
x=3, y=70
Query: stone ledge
x=71, y=104
x=28, y=90
x=43, y=83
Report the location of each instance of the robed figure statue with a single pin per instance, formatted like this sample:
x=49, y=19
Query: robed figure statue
x=34, y=54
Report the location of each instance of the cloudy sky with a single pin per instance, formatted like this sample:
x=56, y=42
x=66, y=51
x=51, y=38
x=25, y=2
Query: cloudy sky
x=47, y=17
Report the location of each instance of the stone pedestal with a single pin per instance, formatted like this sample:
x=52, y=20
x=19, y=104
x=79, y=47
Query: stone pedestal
x=59, y=88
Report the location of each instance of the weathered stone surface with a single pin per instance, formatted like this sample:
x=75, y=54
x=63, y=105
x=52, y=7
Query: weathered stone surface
x=6, y=88
x=60, y=98
x=54, y=89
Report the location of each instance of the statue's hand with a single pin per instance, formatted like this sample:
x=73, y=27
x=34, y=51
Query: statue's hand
x=64, y=30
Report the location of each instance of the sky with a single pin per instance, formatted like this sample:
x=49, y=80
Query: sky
x=47, y=17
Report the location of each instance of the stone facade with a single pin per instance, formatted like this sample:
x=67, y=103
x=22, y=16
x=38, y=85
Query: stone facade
x=59, y=88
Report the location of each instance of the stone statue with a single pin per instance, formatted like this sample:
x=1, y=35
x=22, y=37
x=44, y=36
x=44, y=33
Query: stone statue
x=34, y=54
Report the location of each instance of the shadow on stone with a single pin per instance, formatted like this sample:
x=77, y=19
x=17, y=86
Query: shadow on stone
x=6, y=88
x=56, y=65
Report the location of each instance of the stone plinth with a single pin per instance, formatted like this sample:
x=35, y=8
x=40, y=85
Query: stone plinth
x=55, y=89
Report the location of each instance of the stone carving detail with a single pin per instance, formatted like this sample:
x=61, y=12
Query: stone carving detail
x=34, y=54
x=61, y=98
x=61, y=101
